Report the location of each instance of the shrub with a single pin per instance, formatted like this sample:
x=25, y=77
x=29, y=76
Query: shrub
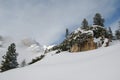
x=37, y=59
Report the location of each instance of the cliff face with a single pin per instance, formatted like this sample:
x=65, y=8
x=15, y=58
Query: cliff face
x=89, y=45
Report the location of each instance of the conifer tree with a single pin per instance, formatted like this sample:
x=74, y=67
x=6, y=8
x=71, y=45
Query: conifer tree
x=110, y=34
x=85, y=24
x=98, y=20
x=23, y=63
x=10, y=59
x=117, y=32
x=67, y=33
x=110, y=31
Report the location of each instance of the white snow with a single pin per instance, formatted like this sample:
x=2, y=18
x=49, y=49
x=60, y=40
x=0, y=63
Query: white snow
x=83, y=31
x=48, y=47
x=97, y=39
x=97, y=26
x=36, y=48
x=105, y=41
x=78, y=29
x=99, y=64
x=90, y=32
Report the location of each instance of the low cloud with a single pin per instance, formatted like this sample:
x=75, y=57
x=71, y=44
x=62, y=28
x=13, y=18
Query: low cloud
x=46, y=20
x=115, y=25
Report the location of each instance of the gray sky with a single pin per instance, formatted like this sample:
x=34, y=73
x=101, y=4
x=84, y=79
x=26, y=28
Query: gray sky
x=46, y=20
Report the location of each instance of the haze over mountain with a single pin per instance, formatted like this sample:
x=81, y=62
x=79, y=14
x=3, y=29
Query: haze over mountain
x=35, y=18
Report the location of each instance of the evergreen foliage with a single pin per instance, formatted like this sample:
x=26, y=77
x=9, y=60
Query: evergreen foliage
x=110, y=31
x=67, y=33
x=110, y=34
x=85, y=24
x=37, y=59
x=10, y=59
x=98, y=20
x=117, y=32
x=23, y=63
x=99, y=32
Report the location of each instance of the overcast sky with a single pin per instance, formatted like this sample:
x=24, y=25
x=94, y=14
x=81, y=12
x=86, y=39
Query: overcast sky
x=46, y=20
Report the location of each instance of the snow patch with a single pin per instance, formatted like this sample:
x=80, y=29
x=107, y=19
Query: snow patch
x=35, y=48
x=105, y=42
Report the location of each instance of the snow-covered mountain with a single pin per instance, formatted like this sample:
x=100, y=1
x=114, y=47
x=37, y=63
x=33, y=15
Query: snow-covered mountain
x=32, y=45
x=98, y=64
x=27, y=48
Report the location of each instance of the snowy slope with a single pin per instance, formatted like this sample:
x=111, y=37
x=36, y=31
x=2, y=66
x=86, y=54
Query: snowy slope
x=99, y=64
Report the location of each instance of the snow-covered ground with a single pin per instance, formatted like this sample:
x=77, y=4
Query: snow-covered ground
x=99, y=64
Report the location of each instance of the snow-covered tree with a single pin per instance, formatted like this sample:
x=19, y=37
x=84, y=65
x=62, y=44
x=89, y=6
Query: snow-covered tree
x=85, y=24
x=100, y=32
x=10, y=59
x=98, y=20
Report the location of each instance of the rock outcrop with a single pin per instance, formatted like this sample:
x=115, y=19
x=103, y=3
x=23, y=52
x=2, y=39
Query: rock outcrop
x=89, y=45
x=84, y=40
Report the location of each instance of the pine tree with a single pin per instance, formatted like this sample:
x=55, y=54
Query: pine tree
x=10, y=59
x=110, y=31
x=110, y=34
x=23, y=63
x=85, y=24
x=119, y=25
x=98, y=20
x=67, y=33
x=117, y=32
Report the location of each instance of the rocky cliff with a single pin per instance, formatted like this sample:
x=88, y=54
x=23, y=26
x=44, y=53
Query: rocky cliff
x=88, y=45
x=84, y=40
